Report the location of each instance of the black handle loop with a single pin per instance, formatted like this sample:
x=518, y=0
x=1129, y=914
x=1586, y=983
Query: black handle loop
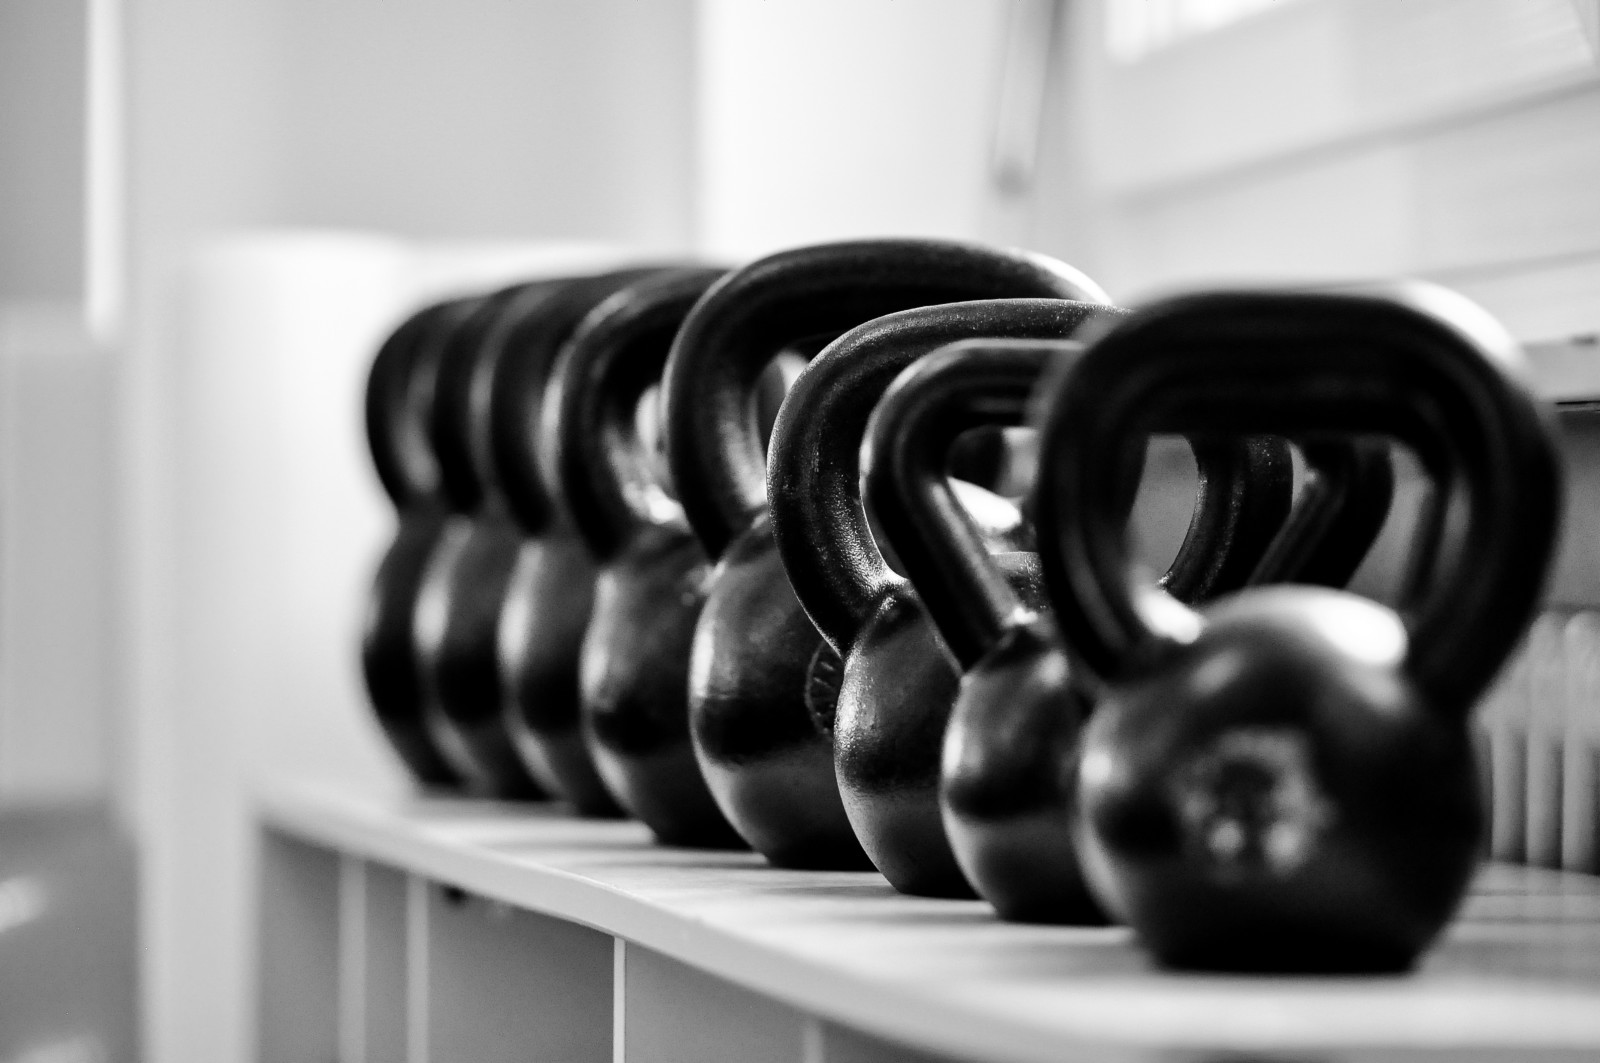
x=400, y=398
x=1341, y=509
x=519, y=355
x=459, y=428
x=1414, y=362
x=828, y=550
x=1241, y=499
x=592, y=448
x=713, y=444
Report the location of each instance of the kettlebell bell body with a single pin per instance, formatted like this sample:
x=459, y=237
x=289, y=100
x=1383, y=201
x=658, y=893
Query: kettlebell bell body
x=762, y=682
x=1284, y=780
x=652, y=573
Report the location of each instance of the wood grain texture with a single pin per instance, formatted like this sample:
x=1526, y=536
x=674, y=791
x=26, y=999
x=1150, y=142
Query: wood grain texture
x=1517, y=977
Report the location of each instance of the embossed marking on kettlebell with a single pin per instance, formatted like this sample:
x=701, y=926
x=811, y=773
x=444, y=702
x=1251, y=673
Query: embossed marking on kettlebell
x=1250, y=803
x=824, y=676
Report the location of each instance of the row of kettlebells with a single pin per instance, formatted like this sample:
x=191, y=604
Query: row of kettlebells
x=623, y=579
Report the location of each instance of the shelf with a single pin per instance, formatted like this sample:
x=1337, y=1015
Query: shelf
x=1517, y=977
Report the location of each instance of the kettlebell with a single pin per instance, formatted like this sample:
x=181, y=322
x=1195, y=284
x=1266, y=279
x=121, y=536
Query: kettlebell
x=1009, y=752
x=886, y=722
x=455, y=626
x=513, y=586
x=399, y=392
x=897, y=680
x=761, y=680
x=1284, y=780
x=652, y=573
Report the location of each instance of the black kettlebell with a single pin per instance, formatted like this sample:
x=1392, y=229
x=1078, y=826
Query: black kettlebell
x=898, y=681
x=514, y=586
x=1284, y=780
x=886, y=721
x=761, y=680
x=1009, y=752
x=633, y=675
x=398, y=396
x=455, y=626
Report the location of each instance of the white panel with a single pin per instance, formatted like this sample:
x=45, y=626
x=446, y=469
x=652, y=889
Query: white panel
x=1308, y=75
x=506, y=985
x=57, y=735
x=384, y=976
x=43, y=83
x=439, y=118
x=826, y=119
x=1546, y=720
x=1580, y=776
x=676, y=1014
x=840, y=1045
x=298, y=963
x=1511, y=188
x=1346, y=216
x=1501, y=207
x=1541, y=301
x=277, y=524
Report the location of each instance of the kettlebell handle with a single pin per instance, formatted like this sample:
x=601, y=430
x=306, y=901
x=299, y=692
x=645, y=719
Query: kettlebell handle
x=713, y=444
x=460, y=425
x=398, y=398
x=1414, y=362
x=833, y=560
x=591, y=451
x=1340, y=511
x=1242, y=497
x=527, y=350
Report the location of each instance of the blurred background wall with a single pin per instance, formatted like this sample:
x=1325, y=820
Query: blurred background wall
x=210, y=212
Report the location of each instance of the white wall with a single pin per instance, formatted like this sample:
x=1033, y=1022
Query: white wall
x=826, y=119
x=240, y=358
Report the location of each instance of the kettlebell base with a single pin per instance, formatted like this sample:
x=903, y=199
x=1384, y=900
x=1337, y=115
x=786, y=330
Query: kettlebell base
x=484, y=755
x=560, y=761
x=664, y=791
x=421, y=757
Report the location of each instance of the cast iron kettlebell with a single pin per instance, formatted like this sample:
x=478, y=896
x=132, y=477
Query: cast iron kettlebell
x=456, y=623
x=1009, y=752
x=634, y=663
x=895, y=683
x=761, y=679
x=515, y=593
x=399, y=393
x=898, y=681
x=1284, y=780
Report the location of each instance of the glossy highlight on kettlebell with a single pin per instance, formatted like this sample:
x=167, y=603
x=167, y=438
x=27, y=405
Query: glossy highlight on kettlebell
x=1010, y=752
x=762, y=681
x=652, y=572
x=1284, y=780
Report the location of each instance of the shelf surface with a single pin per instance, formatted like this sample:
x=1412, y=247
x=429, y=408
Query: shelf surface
x=1517, y=975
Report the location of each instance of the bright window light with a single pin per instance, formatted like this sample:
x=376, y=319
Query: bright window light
x=1136, y=28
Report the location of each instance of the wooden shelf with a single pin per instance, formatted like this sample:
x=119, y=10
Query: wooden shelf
x=1517, y=977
